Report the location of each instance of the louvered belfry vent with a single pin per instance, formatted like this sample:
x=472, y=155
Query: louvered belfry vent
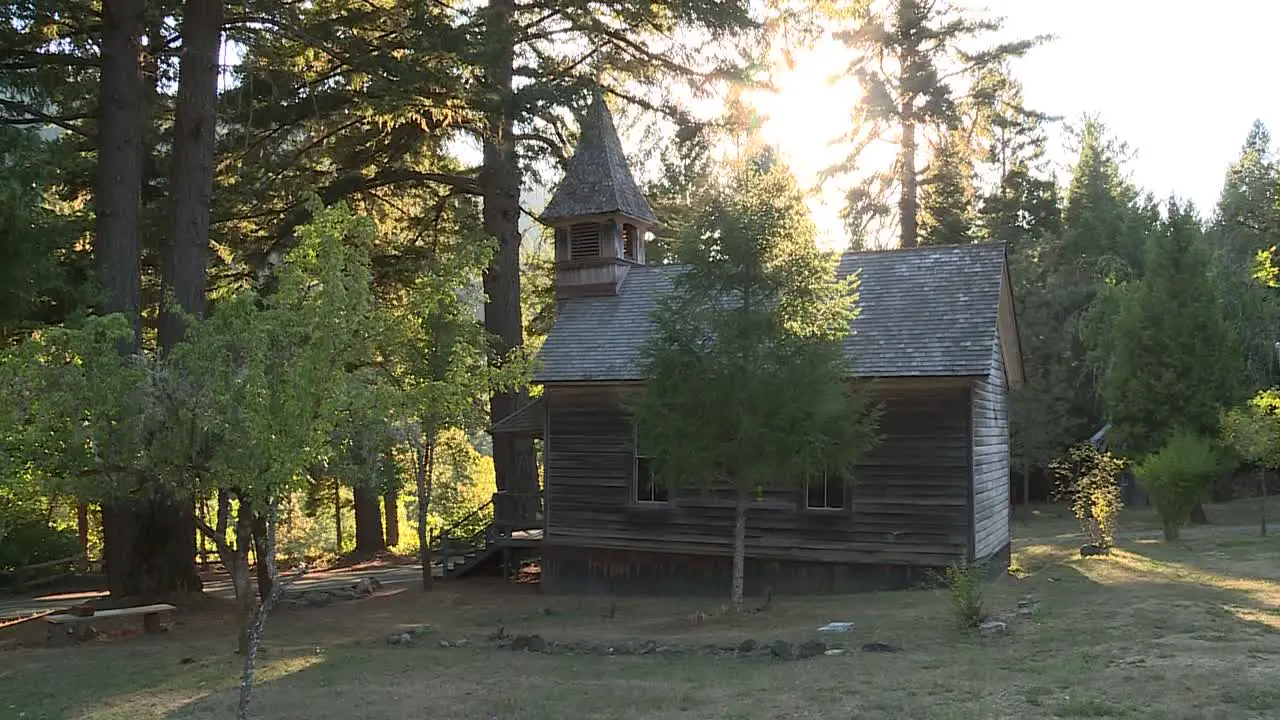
x=584, y=240
x=599, y=214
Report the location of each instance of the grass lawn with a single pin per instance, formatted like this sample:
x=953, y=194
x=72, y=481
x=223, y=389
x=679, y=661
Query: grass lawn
x=1154, y=631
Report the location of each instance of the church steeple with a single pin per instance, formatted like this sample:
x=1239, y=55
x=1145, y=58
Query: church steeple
x=599, y=215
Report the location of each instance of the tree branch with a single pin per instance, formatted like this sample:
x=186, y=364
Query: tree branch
x=35, y=117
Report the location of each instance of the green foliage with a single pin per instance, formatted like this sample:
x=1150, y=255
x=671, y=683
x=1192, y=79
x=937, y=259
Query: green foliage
x=748, y=384
x=1173, y=361
x=1241, y=232
x=33, y=541
x=462, y=482
x=964, y=582
x=42, y=278
x=948, y=202
x=75, y=418
x=1176, y=476
x=1088, y=481
x=250, y=400
x=1252, y=430
x=245, y=404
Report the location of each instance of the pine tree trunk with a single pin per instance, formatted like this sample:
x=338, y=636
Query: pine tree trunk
x=117, y=246
x=191, y=174
x=1198, y=515
x=907, y=203
x=739, y=548
x=391, y=509
x=118, y=195
x=368, y=521
x=500, y=187
x=149, y=543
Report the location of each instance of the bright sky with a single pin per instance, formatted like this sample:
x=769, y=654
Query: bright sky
x=1181, y=83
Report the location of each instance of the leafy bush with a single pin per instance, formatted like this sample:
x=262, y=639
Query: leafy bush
x=1088, y=481
x=965, y=583
x=33, y=542
x=1176, y=475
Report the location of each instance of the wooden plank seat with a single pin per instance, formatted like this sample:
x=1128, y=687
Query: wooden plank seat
x=64, y=626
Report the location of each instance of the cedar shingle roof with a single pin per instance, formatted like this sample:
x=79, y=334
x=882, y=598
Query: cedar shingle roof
x=925, y=312
x=598, y=180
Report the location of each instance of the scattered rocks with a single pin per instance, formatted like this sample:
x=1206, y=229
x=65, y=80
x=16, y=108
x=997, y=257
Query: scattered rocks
x=783, y=650
x=879, y=647
x=529, y=643
x=810, y=648
x=534, y=643
x=993, y=628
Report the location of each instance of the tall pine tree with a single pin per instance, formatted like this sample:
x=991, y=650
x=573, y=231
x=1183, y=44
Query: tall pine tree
x=916, y=67
x=1246, y=221
x=1173, y=362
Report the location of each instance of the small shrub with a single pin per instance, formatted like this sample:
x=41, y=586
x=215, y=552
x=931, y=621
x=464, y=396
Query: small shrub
x=1175, y=477
x=1088, y=481
x=965, y=583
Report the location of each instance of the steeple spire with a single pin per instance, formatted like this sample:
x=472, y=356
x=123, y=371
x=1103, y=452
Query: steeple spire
x=600, y=217
x=598, y=181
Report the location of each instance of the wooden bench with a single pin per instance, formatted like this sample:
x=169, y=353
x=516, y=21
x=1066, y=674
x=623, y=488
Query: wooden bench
x=65, y=626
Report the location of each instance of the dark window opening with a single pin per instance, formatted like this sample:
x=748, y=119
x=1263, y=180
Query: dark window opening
x=584, y=240
x=825, y=493
x=648, y=489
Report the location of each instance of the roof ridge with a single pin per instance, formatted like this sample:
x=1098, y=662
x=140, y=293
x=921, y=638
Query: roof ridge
x=982, y=244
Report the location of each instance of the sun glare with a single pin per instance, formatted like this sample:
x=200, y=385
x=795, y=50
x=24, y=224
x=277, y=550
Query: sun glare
x=805, y=118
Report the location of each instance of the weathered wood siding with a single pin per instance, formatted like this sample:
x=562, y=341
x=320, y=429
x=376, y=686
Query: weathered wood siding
x=911, y=499
x=991, y=460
